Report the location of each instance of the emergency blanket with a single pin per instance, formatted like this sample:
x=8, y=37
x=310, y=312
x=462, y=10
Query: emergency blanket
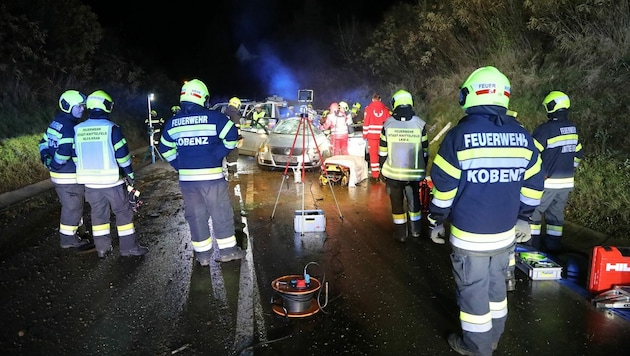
x=357, y=165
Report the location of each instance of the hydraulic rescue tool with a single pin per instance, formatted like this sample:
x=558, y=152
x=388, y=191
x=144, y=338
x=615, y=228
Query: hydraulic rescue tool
x=618, y=297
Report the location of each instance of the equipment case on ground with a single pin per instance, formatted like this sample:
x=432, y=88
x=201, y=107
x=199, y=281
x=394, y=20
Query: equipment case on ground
x=610, y=266
x=309, y=221
x=538, y=266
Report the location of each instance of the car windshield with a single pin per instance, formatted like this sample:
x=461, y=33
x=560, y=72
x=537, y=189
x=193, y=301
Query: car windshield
x=290, y=127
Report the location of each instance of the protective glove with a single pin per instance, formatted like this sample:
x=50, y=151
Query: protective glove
x=523, y=231
x=47, y=160
x=437, y=234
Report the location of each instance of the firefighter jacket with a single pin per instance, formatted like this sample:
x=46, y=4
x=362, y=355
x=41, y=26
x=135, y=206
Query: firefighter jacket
x=337, y=124
x=100, y=153
x=404, y=146
x=375, y=115
x=235, y=116
x=56, y=147
x=486, y=175
x=196, y=140
x=561, y=150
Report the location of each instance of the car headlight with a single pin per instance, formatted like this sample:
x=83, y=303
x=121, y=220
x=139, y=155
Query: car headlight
x=264, y=148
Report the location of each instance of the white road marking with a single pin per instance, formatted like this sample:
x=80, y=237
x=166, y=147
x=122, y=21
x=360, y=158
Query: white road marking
x=248, y=294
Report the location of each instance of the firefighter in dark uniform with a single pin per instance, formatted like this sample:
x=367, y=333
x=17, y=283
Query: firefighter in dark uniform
x=487, y=182
x=561, y=151
x=101, y=155
x=154, y=126
x=55, y=149
x=195, y=142
x=403, y=156
x=232, y=111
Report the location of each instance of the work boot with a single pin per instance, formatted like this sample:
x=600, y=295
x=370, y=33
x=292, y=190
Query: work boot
x=400, y=232
x=136, y=251
x=414, y=229
x=103, y=245
x=510, y=280
x=553, y=244
x=129, y=246
x=73, y=241
x=230, y=254
x=457, y=344
x=203, y=257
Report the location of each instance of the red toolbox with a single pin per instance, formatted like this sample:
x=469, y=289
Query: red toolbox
x=610, y=266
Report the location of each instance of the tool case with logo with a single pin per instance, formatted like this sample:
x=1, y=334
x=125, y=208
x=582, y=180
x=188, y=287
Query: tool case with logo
x=537, y=265
x=610, y=266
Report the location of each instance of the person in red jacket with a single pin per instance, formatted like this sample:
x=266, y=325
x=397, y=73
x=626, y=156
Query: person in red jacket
x=375, y=115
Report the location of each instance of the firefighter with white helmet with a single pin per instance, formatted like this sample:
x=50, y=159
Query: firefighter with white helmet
x=104, y=165
x=487, y=182
x=197, y=154
x=55, y=149
x=403, y=157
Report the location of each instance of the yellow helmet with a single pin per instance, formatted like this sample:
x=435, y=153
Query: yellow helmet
x=343, y=105
x=175, y=109
x=99, y=101
x=70, y=98
x=485, y=86
x=556, y=100
x=235, y=102
x=153, y=113
x=194, y=91
x=356, y=105
x=401, y=97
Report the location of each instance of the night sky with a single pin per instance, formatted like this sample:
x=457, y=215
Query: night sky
x=194, y=39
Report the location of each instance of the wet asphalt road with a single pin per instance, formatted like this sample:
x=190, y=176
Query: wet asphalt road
x=377, y=296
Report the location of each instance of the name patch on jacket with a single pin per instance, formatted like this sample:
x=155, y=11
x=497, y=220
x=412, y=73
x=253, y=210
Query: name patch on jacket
x=483, y=139
x=190, y=120
x=91, y=133
x=404, y=135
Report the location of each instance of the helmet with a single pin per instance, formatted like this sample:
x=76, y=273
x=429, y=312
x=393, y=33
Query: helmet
x=194, y=91
x=344, y=105
x=556, y=100
x=100, y=101
x=153, y=113
x=356, y=105
x=334, y=107
x=235, y=102
x=485, y=86
x=70, y=98
x=175, y=109
x=401, y=97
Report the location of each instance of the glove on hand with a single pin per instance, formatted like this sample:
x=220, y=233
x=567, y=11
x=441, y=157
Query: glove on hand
x=47, y=160
x=523, y=231
x=437, y=234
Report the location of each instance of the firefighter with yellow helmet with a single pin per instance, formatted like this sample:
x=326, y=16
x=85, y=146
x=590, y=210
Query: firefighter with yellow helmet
x=55, y=148
x=233, y=112
x=403, y=156
x=197, y=154
x=487, y=182
x=561, y=152
x=104, y=166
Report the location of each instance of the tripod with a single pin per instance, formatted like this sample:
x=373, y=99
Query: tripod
x=304, y=123
x=153, y=151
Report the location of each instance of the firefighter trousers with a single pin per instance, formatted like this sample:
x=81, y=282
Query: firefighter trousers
x=481, y=296
x=208, y=202
x=72, y=199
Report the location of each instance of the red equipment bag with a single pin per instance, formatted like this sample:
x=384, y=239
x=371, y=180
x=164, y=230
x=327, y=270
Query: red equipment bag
x=426, y=185
x=610, y=266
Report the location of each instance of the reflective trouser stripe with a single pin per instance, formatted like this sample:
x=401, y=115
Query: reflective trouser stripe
x=208, y=203
x=552, y=205
x=72, y=199
x=481, y=296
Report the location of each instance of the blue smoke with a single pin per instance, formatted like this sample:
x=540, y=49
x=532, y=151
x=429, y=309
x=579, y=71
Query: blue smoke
x=275, y=77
